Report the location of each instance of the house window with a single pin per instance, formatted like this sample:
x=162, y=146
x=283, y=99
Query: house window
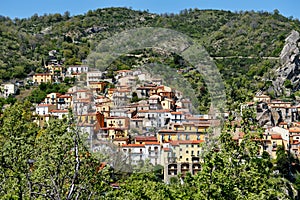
x=180, y=157
x=192, y=152
x=180, y=149
x=187, y=152
x=187, y=159
x=192, y=145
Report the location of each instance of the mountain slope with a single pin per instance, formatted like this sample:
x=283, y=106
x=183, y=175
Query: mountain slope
x=242, y=43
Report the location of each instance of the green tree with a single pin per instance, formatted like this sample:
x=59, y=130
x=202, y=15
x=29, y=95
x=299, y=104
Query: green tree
x=63, y=167
x=282, y=161
x=17, y=140
x=50, y=163
x=236, y=171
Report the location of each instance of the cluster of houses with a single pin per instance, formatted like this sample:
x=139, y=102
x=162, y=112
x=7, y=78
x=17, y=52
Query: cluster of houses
x=143, y=118
x=280, y=121
x=147, y=120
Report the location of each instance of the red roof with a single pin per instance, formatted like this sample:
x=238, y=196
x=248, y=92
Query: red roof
x=44, y=105
x=174, y=143
x=176, y=113
x=166, y=149
x=42, y=74
x=146, y=138
x=65, y=96
x=152, y=143
x=59, y=111
x=154, y=111
x=133, y=145
x=294, y=130
x=276, y=137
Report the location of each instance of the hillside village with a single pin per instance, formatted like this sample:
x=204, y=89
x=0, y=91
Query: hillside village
x=147, y=120
x=152, y=127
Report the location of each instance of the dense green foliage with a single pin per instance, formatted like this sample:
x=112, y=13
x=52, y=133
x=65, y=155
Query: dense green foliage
x=243, y=43
x=50, y=163
x=38, y=94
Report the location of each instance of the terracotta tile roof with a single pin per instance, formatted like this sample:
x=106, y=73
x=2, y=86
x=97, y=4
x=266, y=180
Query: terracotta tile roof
x=133, y=145
x=114, y=128
x=294, y=130
x=145, y=138
x=42, y=74
x=152, y=143
x=87, y=114
x=65, y=96
x=45, y=105
x=137, y=119
x=59, y=111
x=276, y=137
x=121, y=139
x=203, y=124
x=177, y=113
x=174, y=143
x=154, y=111
x=166, y=149
x=188, y=123
x=177, y=124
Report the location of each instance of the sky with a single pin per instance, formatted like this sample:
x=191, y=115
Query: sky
x=27, y=8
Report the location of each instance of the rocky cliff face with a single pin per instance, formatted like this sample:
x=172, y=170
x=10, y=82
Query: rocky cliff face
x=289, y=58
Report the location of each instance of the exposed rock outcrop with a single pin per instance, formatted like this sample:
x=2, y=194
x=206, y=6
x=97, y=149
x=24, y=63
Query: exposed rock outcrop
x=289, y=58
x=269, y=117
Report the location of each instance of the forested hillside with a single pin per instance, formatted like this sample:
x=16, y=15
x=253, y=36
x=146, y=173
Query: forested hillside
x=245, y=45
